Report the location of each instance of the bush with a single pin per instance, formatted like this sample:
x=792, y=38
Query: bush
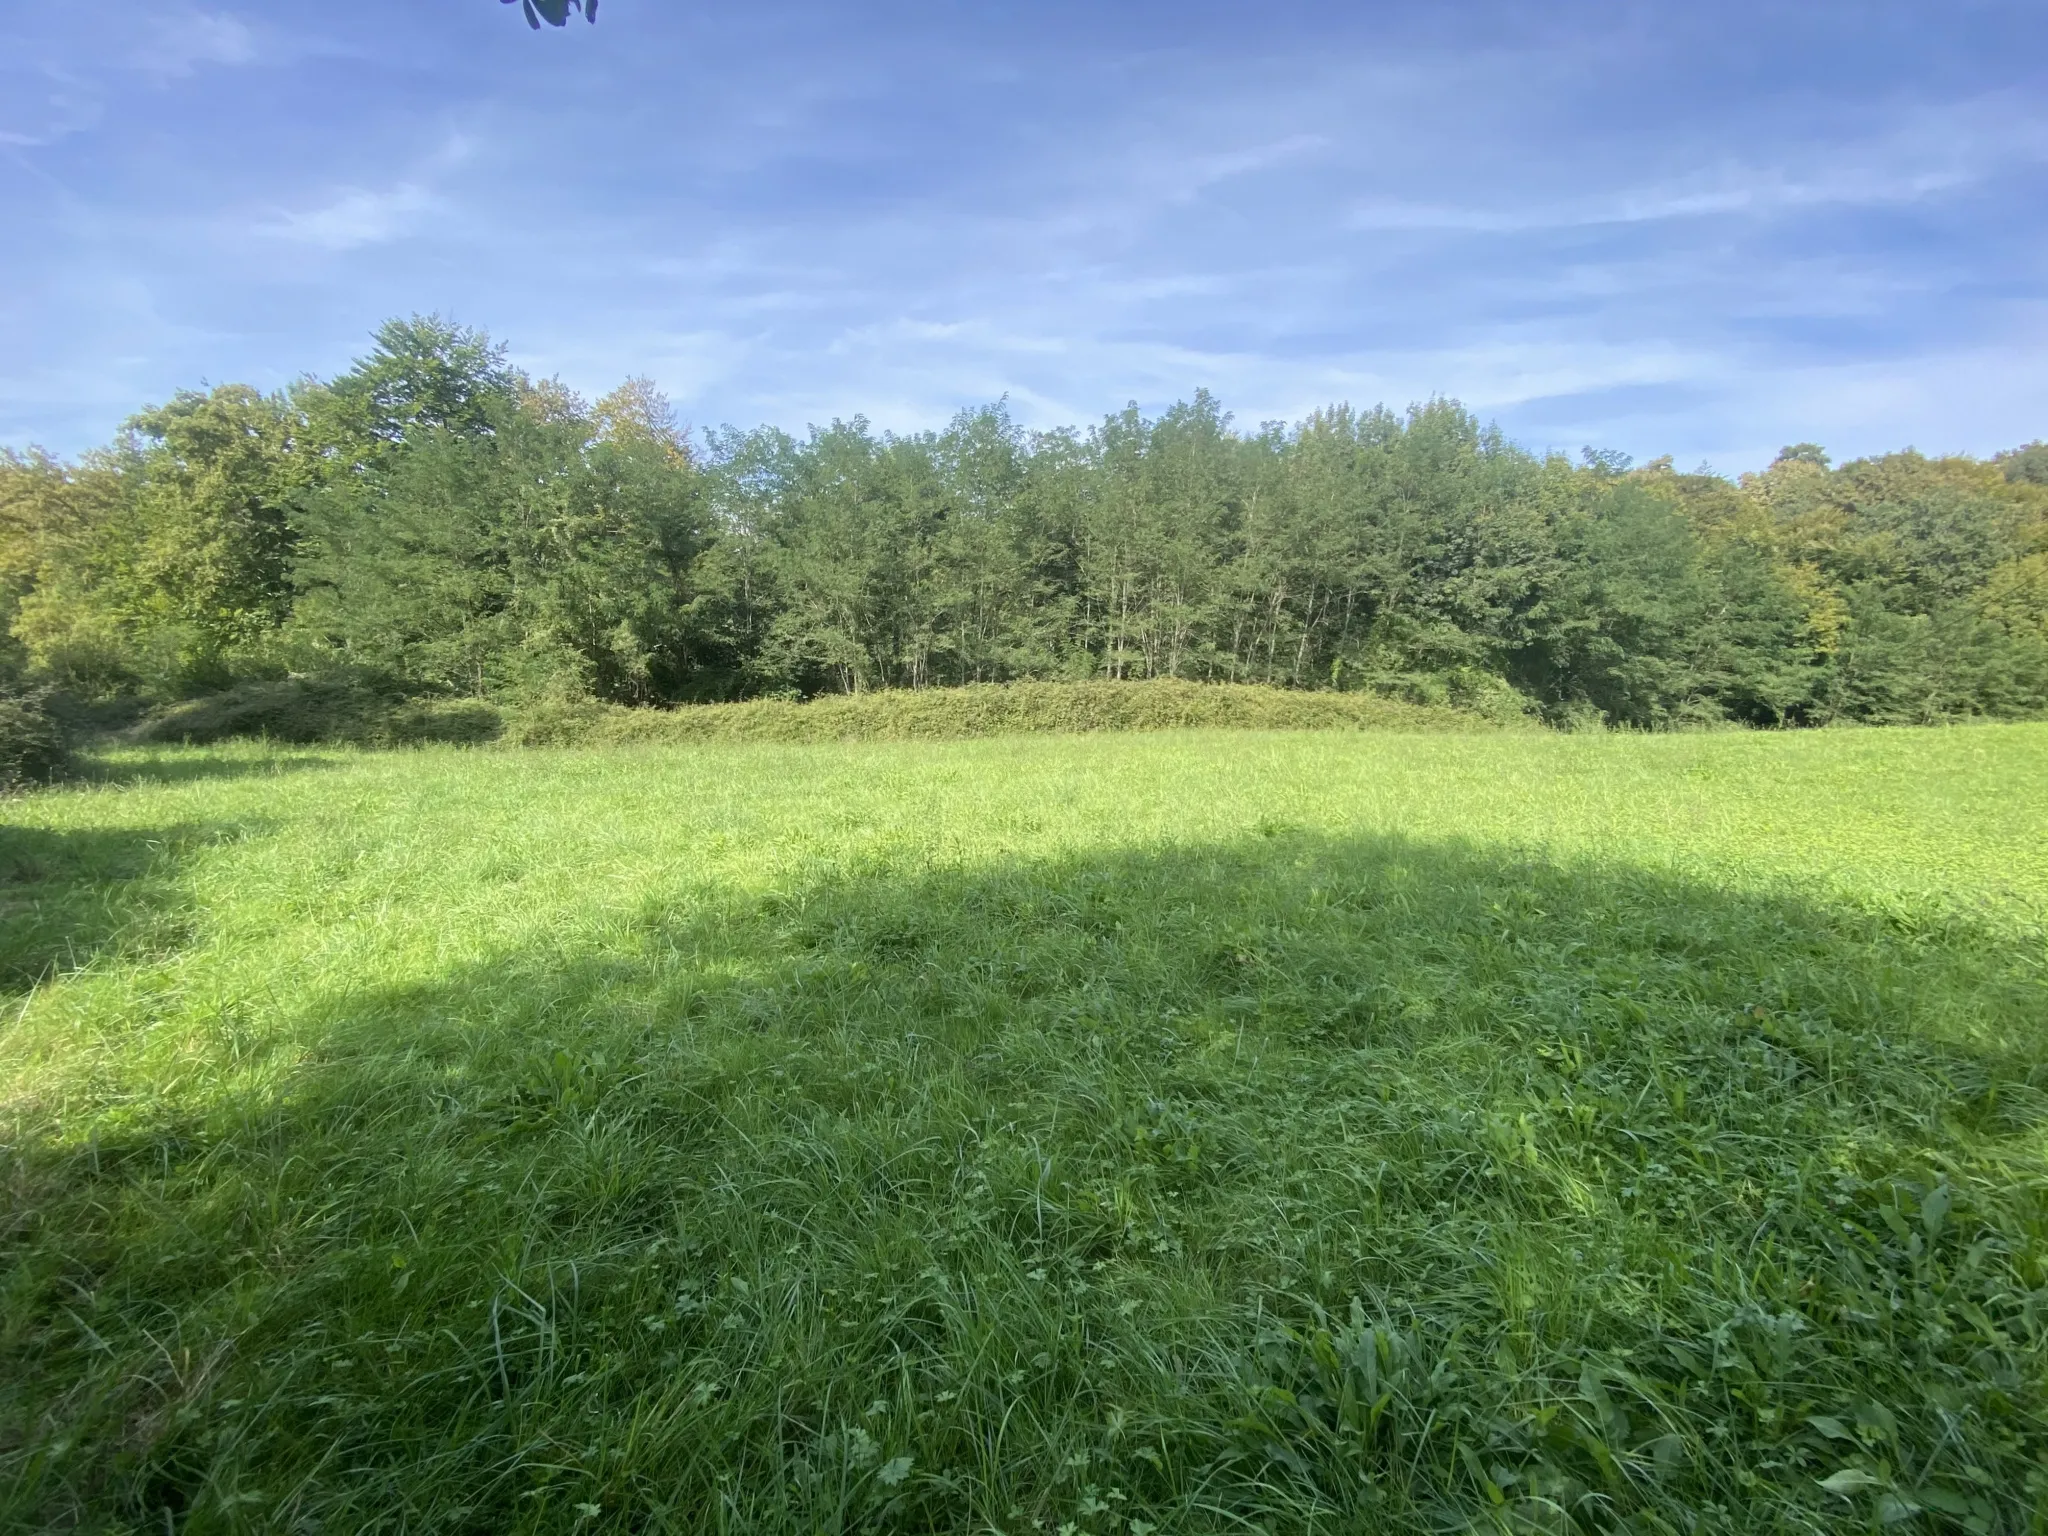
x=364, y=713
x=1470, y=689
x=33, y=748
x=311, y=709
x=989, y=710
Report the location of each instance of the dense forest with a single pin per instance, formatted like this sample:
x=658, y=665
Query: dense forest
x=437, y=521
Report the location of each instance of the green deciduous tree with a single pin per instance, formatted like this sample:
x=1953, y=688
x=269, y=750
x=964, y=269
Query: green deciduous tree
x=435, y=520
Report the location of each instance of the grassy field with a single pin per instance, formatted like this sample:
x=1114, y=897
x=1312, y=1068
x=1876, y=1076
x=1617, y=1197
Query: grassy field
x=1173, y=1133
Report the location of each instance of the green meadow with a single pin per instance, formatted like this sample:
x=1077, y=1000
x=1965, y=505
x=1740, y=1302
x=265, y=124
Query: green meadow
x=1198, y=1131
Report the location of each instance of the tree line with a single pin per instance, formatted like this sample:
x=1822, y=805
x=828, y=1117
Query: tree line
x=437, y=521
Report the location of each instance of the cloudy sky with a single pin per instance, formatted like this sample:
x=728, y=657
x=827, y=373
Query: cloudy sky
x=1704, y=230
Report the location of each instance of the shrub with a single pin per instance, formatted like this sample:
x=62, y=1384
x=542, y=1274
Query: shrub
x=364, y=713
x=314, y=709
x=33, y=748
x=990, y=710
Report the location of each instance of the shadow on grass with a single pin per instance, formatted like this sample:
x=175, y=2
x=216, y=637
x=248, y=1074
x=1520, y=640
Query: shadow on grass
x=194, y=765
x=1312, y=1183
x=69, y=897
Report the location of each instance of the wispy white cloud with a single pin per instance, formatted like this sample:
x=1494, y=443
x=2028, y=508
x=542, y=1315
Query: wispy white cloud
x=178, y=43
x=1937, y=151
x=47, y=95
x=352, y=217
x=944, y=364
x=1759, y=194
x=1735, y=408
x=355, y=217
x=1206, y=170
x=39, y=106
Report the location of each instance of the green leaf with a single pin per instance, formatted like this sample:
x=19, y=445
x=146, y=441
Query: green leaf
x=1943, y=1499
x=1848, y=1481
x=893, y=1471
x=1934, y=1210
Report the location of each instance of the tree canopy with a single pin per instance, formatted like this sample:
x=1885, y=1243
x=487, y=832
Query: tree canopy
x=437, y=520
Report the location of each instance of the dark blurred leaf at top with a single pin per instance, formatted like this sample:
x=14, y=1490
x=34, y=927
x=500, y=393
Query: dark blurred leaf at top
x=554, y=12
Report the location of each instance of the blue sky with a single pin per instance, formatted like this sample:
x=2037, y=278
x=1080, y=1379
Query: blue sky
x=1704, y=230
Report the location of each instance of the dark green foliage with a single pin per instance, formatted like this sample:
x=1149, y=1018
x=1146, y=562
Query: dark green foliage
x=33, y=745
x=424, y=376
x=1921, y=668
x=214, y=475
x=2028, y=464
x=1633, y=615
x=498, y=539
x=329, y=709
x=1008, y=709
x=436, y=518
